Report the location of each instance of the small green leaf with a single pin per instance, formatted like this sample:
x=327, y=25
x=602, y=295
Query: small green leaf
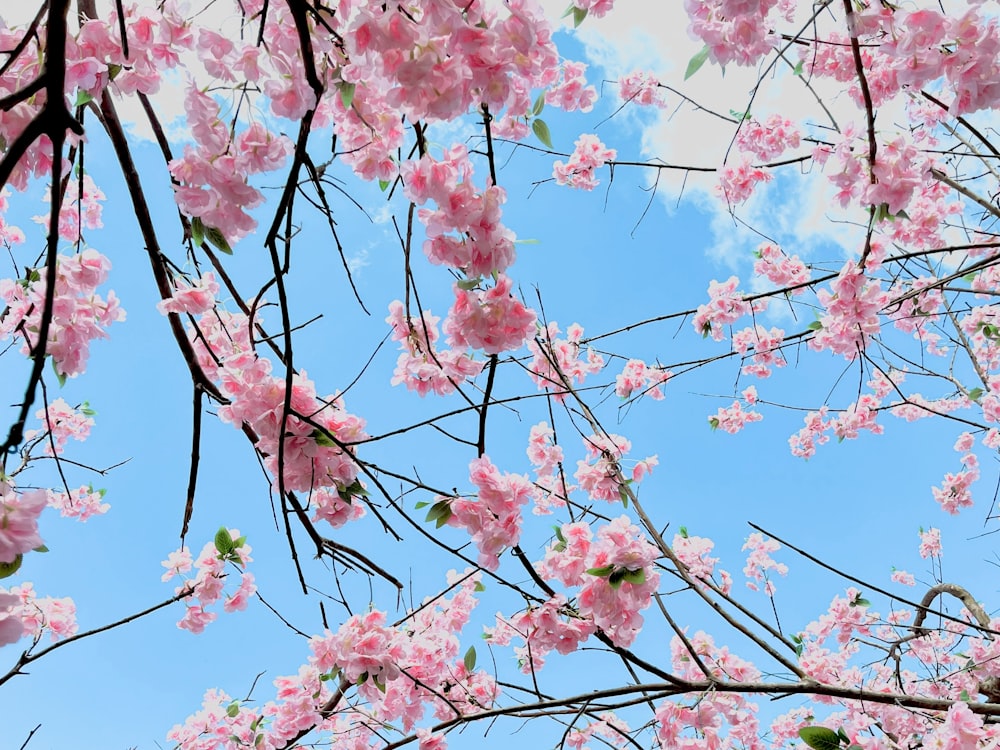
x=713, y=422
x=113, y=71
x=683, y=532
x=797, y=70
x=479, y=587
x=739, y=115
x=82, y=97
x=859, y=602
x=526, y=242
x=470, y=659
x=233, y=709
x=578, y=15
x=237, y=543
x=440, y=512
x=975, y=394
x=421, y=504
x=964, y=695
x=541, y=131
x=635, y=577
x=223, y=541
x=469, y=284
x=362, y=679
x=538, y=106
x=843, y=736
x=616, y=578
x=322, y=439
x=970, y=277
x=559, y=534
x=601, y=572
x=820, y=738
x=218, y=239
x=40, y=548
x=347, y=94
x=197, y=232
x=7, y=569
x=383, y=184
x=815, y=326
x=696, y=62
x=60, y=376
x=86, y=411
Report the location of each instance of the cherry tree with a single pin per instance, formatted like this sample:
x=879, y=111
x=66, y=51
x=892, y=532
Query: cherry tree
x=521, y=486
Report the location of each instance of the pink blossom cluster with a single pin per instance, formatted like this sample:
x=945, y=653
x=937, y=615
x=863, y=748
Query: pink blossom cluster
x=766, y=349
x=82, y=503
x=695, y=553
x=553, y=626
x=614, y=571
x=970, y=62
x=733, y=418
x=726, y=305
x=336, y=508
x=955, y=491
x=191, y=297
x=590, y=154
x=917, y=310
x=641, y=87
x=79, y=314
x=733, y=30
x=211, y=179
x=60, y=423
x=76, y=209
x=596, y=8
x=572, y=93
x=556, y=362
x=780, y=269
x=421, y=366
x=637, y=376
x=899, y=171
x=492, y=320
x=493, y=518
x=600, y=473
x=550, y=490
x=310, y=458
x=36, y=615
x=852, y=308
x=769, y=139
x=608, y=729
x=207, y=586
x=760, y=562
x=464, y=231
x=736, y=184
x=19, y=513
x=362, y=648
x=9, y=233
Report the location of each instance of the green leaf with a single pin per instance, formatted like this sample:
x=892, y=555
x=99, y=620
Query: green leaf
x=859, y=602
x=623, y=494
x=527, y=242
x=541, y=131
x=843, y=736
x=421, y=504
x=113, y=71
x=479, y=587
x=233, y=709
x=60, y=376
x=383, y=184
x=696, y=62
x=86, y=411
x=470, y=659
x=820, y=738
x=223, y=541
x=347, y=94
x=635, y=577
x=237, y=543
x=538, y=106
x=40, y=548
x=218, y=239
x=7, y=569
x=740, y=115
x=362, y=679
x=975, y=394
x=601, y=572
x=815, y=326
x=578, y=15
x=713, y=422
x=797, y=70
x=469, y=284
x=322, y=439
x=683, y=532
x=197, y=232
x=440, y=512
x=82, y=97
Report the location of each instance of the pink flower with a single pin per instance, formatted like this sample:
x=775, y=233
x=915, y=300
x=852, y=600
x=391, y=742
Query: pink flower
x=11, y=626
x=493, y=321
x=192, y=298
x=19, y=522
x=578, y=172
x=930, y=543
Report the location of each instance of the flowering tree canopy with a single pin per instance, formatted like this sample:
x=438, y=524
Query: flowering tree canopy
x=247, y=147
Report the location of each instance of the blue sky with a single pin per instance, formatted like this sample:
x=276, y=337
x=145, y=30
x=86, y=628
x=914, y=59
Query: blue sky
x=857, y=504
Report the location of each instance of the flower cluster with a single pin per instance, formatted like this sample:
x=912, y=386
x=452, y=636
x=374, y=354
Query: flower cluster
x=79, y=314
x=494, y=321
x=578, y=172
x=556, y=362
